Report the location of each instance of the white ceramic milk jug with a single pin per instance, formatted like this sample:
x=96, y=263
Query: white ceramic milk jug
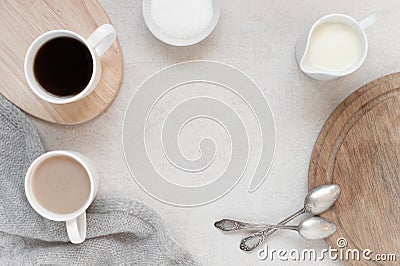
x=322, y=56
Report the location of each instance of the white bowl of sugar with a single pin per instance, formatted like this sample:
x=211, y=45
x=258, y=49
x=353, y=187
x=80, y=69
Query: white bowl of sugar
x=181, y=22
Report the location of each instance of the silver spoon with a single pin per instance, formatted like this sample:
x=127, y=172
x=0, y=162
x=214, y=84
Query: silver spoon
x=311, y=228
x=317, y=201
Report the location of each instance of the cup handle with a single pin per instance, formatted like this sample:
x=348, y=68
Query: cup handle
x=102, y=38
x=76, y=229
x=368, y=21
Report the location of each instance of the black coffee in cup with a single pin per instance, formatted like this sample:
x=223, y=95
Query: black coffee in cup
x=63, y=66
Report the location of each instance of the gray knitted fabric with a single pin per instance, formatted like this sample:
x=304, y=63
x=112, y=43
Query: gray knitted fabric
x=121, y=231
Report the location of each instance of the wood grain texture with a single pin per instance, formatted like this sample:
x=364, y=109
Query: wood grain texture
x=22, y=22
x=359, y=149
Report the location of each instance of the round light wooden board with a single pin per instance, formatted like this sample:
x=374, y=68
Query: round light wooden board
x=359, y=149
x=21, y=23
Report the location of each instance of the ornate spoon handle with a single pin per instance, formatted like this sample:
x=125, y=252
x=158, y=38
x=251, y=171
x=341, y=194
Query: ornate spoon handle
x=229, y=225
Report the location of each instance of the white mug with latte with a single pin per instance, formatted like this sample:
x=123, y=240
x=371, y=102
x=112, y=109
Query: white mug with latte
x=60, y=186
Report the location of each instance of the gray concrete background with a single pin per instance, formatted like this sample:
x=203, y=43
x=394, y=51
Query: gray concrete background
x=258, y=37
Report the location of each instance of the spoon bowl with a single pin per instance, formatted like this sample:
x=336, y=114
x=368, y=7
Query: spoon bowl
x=316, y=228
x=320, y=199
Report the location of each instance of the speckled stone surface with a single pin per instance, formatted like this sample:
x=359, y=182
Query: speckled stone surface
x=258, y=37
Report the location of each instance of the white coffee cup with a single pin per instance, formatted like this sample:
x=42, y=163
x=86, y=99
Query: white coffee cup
x=97, y=43
x=76, y=221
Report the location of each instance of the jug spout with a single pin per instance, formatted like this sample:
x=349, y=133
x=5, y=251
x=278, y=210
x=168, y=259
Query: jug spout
x=302, y=50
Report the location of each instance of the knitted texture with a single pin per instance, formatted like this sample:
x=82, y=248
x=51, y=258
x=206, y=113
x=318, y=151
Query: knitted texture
x=121, y=231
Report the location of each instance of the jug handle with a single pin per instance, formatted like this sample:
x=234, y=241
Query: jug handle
x=368, y=21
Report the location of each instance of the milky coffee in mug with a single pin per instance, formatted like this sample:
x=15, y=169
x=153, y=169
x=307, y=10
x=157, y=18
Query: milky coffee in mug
x=60, y=186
